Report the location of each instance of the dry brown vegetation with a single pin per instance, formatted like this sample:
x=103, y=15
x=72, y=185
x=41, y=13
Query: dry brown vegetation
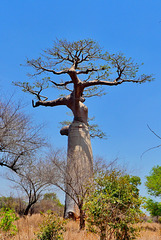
x=29, y=225
x=150, y=231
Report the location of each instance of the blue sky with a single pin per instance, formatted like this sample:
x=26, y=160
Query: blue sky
x=132, y=27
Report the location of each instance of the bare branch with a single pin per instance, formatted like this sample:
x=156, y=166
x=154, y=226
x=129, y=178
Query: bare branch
x=89, y=70
x=116, y=82
x=52, y=103
x=154, y=132
x=27, y=88
x=32, y=181
x=60, y=84
x=18, y=138
x=38, y=66
x=150, y=149
x=154, y=146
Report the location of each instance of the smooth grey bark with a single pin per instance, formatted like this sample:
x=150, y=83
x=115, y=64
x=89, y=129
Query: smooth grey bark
x=79, y=166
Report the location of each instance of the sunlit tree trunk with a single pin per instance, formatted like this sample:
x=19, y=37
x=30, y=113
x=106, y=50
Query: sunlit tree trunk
x=79, y=165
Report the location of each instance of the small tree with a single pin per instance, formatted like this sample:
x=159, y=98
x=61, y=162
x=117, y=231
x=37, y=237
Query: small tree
x=113, y=205
x=67, y=181
x=32, y=182
x=153, y=181
x=154, y=208
x=51, y=202
x=153, y=184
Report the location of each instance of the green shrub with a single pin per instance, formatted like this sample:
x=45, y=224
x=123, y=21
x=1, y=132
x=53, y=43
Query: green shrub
x=159, y=219
x=113, y=205
x=52, y=227
x=8, y=216
x=149, y=221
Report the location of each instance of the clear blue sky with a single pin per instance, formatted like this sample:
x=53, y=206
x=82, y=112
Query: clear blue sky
x=132, y=27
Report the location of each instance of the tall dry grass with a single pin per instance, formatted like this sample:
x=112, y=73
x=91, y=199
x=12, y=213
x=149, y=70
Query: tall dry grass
x=150, y=231
x=29, y=225
x=73, y=233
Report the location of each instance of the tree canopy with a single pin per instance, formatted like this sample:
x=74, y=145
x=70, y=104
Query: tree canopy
x=153, y=207
x=153, y=182
x=84, y=58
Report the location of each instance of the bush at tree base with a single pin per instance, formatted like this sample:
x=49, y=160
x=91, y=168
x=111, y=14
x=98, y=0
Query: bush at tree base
x=52, y=227
x=7, y=218
x=113, y=205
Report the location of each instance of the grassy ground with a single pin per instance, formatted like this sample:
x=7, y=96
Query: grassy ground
x=29, y=225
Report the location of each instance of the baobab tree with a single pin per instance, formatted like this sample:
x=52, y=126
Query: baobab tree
x=86, y=68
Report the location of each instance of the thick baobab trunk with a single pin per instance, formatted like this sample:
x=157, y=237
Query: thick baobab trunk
x=79, y=166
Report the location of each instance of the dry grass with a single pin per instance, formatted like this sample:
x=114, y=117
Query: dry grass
x=150, y=231
x=73, y=233
x=28, y=225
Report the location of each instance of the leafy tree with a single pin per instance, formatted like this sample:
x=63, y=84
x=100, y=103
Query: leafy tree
x=153, y=184
x=7, y=202
x=16, y=204
x=153, y=207
x=113, y=205
x=50, y=196
x=153, y=181
x=51, y=202
x=87, y=68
